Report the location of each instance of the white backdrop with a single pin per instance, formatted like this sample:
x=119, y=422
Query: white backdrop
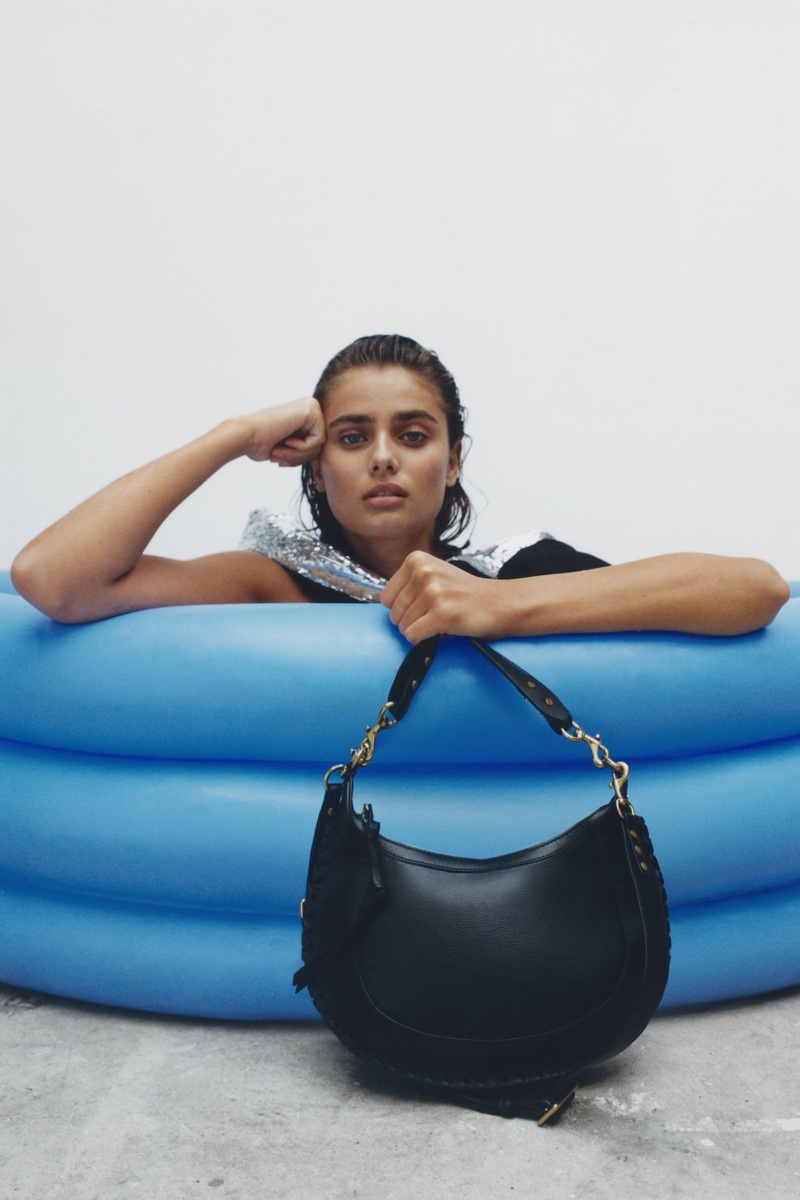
x=589, y=210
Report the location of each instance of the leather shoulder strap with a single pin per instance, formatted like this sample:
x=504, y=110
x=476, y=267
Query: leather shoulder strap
x=543, y=700
x=417, y=662
x=410, y=674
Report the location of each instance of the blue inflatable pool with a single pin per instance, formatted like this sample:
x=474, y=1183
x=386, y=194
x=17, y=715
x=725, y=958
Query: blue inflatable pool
x=161, y=774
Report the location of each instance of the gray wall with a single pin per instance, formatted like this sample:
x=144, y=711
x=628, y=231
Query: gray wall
x=589, y=210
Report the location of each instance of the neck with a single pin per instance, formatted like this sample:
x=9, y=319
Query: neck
x=387, y=557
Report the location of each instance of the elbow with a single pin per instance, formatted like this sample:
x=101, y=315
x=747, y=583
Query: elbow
x=767, y=594
x=34, y=579
x=781, y=593
x=26, y=576
x=751, y=595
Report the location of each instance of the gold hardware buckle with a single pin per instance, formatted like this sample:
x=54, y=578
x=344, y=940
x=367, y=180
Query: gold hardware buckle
x=336, y=767
x=556, y=1108
x=601, y=758
x=362, y=756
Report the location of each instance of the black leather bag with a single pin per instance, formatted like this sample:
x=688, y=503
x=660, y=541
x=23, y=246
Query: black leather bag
x=496, y=981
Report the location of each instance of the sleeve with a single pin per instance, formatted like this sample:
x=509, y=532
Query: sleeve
x=548, y=557
x=317, y=593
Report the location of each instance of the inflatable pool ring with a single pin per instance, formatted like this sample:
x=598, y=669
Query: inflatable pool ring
x=161, y=773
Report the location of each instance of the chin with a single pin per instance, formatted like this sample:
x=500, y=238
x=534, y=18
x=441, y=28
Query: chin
x=381, y=525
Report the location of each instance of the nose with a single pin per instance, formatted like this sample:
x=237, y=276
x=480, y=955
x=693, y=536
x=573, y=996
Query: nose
x=384, y=459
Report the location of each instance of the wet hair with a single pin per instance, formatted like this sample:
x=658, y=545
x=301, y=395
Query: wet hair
x=392, y=349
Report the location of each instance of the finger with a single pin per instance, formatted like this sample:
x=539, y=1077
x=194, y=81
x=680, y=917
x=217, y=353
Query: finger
x=311, y=447
x=295, y=451
x=394, y=587
x=424, y=626
x=302, y=440
x=437, y=608
x=410, y=607
x=408, y=596
x=415, y=590
x=313, y=427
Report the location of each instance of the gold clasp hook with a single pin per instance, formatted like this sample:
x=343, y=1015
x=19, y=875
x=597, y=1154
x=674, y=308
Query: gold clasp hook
x=601, y=758
x=365, y=751
x=598, y=751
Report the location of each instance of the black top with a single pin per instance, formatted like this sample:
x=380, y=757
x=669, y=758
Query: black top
x=545, y=557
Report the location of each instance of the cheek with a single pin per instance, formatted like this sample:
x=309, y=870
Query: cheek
x=331, y=473
x=437, y=472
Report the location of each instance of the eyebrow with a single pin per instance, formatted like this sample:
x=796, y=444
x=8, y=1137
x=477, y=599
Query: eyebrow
x=400, y=418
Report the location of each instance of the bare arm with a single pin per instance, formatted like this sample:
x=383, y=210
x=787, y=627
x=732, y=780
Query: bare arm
x=91, y=563
x=689, y=593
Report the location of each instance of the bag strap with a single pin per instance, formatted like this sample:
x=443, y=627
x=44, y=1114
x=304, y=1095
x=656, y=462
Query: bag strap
x=415, y=667
x=546, y=703
x=417, y=662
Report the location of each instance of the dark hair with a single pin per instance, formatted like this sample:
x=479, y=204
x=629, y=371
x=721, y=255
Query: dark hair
x=392, y=349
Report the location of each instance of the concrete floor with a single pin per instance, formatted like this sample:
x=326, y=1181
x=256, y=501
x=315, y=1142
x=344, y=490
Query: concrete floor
x=99, y=1103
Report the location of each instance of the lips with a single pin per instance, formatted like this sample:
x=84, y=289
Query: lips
x=385, y=496
x=385, y=489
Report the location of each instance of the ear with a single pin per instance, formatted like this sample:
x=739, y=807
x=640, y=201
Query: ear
x=316, y=472
x=453, y=464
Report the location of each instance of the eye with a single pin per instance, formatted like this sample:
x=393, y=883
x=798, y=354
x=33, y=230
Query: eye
x=415, y=437
x=351, y=439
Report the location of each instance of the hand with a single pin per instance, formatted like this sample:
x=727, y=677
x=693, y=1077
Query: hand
x=428, y=596
x=288, y=434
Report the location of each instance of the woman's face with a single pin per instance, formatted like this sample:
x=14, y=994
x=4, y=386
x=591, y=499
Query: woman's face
x=387, y=459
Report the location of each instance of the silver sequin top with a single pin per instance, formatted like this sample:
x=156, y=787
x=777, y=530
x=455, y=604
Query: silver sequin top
x=280, y=538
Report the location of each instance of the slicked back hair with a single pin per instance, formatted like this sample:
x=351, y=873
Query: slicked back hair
x=393, y=350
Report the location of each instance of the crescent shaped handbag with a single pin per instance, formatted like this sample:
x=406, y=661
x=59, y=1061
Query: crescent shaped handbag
x=493, y=981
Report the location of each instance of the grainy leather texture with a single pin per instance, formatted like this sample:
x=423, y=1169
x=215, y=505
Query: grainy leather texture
x=497, y=980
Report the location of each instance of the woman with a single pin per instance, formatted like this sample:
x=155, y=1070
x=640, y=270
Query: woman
x=380, y=444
